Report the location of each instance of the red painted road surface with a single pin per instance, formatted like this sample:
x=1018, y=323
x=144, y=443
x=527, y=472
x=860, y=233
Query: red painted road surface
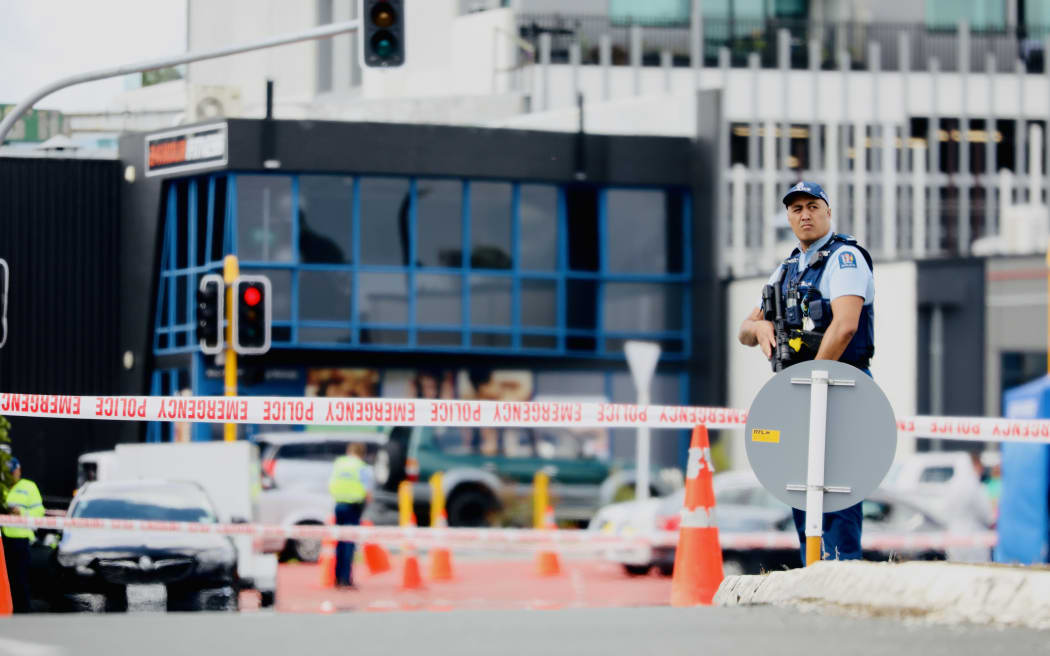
x=477, y=584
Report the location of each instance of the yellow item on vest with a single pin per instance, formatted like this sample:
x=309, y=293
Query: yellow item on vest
x=24, y=498
x=345, y=484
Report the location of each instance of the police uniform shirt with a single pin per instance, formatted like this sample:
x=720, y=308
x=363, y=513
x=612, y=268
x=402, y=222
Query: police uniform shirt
x=846, y=272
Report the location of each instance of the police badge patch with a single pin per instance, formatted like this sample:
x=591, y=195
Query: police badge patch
x=847, y=261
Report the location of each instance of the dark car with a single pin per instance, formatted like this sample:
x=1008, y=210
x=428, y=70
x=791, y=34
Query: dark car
x=489, y=471
x=96, y=566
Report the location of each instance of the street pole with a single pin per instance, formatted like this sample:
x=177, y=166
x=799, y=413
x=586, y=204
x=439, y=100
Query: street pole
x=321, y=32
x=230, y=270
x=641, y=359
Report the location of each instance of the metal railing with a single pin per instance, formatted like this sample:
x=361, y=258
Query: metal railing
x=743, y=37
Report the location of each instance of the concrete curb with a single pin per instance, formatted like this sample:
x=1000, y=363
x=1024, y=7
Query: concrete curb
x=940, y=593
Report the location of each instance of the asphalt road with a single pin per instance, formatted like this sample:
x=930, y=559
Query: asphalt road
x=604, y=632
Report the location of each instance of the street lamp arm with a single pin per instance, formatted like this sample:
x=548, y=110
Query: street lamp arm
x=320, y=32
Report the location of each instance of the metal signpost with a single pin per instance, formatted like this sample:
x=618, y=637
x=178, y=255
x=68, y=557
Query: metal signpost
x=820, y=436
x=641, y=359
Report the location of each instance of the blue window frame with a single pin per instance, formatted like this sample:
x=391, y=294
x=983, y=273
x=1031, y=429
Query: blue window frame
x=435, y=264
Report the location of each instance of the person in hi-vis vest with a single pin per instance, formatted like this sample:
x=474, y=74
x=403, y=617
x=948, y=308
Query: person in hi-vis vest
x=350, y=486
x=22, y=499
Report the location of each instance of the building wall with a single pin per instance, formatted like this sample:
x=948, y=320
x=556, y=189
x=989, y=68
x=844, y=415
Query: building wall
x=1016, y=321
x=60, y=237
x=218, y=24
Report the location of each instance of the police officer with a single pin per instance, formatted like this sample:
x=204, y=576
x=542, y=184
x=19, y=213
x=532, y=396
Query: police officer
x=350, y=485
x=828, y=288
x=24, y=499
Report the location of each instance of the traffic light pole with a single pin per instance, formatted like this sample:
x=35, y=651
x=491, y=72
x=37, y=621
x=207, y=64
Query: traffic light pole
x=230, y=270
x=324, y=31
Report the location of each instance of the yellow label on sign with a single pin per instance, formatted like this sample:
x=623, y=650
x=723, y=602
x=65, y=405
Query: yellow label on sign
x=763, y=435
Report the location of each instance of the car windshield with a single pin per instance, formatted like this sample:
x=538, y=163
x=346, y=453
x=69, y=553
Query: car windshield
x=545, y=443
x=177, y=505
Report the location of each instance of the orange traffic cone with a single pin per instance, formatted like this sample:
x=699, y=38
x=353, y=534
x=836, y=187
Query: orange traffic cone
x=411, y=580
x=326, y=562
x=698, y=558
x=6, y=605
x=441, y=557
x=376, y=557
x=547, y=561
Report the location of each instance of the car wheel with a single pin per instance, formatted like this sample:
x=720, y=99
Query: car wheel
x=307, y=551
x=470, y=507
x=389, y=468
x=666, y=569
x=637, y=570
x=117, y=600
x=267, y=598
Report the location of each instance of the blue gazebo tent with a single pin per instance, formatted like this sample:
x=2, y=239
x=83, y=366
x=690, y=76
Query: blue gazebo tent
x=1024, y=525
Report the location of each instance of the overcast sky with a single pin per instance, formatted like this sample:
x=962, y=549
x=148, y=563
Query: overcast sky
x=44, y=40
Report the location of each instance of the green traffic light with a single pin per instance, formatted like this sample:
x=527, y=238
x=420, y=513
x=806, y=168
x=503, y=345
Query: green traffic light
x=384, y=44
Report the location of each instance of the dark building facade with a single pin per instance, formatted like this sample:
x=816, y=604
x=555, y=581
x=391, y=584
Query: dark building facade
x=60, y=235
x=425, y=260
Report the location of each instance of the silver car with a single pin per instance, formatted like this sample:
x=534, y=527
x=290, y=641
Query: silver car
x=295, y=471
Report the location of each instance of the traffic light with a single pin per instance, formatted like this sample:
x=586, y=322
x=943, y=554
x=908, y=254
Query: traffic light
x=211, y=293
x=384, y=42
x=251, y=314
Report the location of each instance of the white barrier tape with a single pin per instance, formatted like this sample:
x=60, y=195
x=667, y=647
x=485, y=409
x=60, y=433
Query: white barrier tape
x=373, y=534
x=472, y=538
x=430, y=412
x=366, y=412
x=875, y=542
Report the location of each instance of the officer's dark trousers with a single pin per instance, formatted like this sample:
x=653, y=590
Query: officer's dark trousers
x=841, y=539
x=16, y=552
x=346, y=514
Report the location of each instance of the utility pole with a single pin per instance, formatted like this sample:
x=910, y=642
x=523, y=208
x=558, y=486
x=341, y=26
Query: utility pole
x=321, y=32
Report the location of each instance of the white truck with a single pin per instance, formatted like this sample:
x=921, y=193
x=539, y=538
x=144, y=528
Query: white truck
x=229, y=474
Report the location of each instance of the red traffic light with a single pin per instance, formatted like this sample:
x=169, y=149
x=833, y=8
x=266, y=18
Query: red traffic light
x=252, y=296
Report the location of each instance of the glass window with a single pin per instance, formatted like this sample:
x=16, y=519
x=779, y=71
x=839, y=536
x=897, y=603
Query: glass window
x=383, y=298
x=308, y=335
x=946, y=14
x=439, y=223
x=384, y=221
x=636, y=229
x=264, y=218
x=642, y=307
x=439, y=299
x=490, y=301
x=538, y=211
x=490, y=225
x=539, y=303
x=324, y=295
x=281, y=290
x=325, y=204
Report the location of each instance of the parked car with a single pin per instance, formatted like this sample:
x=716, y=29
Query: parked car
x=948, y=484
x=744, y=506
x=488, y=470
x=296, y=466
x=95, y=567
x=305, y=458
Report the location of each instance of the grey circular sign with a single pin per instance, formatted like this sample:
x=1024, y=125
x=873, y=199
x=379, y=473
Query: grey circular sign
x=861, y=435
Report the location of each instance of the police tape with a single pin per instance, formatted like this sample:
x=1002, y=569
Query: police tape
x=430, y=412
x=506, y=538
x=901, y=542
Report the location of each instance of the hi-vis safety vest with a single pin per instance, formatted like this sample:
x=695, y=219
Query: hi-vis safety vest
x=345, y=484
x=24, y=498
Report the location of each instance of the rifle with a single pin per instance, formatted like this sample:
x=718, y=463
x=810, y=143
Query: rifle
x=793, y=344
